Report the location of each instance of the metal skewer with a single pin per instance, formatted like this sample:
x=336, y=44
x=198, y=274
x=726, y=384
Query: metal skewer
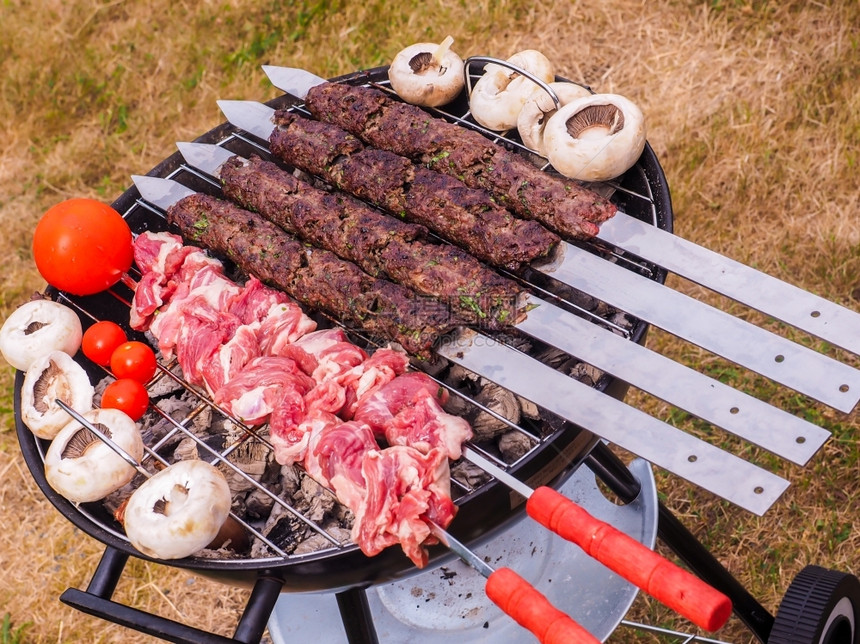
x=519, y=599
x=702, y=463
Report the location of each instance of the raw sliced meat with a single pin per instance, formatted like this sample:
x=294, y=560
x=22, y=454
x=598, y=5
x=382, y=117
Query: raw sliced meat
x=408, y=411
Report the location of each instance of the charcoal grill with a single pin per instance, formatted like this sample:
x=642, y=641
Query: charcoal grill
x=486, y=510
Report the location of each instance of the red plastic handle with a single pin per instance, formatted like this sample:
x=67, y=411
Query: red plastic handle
x=677, y=588
x=519, y=599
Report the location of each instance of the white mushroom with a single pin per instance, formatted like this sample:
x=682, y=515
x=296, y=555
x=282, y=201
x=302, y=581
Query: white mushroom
x=540, y=107
x=427, y=74
x=82, y=467
x=596, y=138
x=36, y=328
x=499, y=95
x=51, y=377
x=178, y=511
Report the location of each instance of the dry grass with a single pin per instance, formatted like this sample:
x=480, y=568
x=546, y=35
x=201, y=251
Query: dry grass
x=752, y=108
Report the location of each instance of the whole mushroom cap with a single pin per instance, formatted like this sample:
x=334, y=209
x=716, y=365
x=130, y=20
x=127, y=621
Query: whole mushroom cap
x=178, y=511
x=82, y=467
x=540, y=107
x=51, y=377
x=596, y=138
x=499, y=95
x=36, y=328
x=427, y=74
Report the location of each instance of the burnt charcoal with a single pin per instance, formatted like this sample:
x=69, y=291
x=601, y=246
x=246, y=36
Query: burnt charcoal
x=495, y=405
x=513, y=445
x=586, y=373
x=258, y=504
x=316, y=542
x=283, y=529
x=315, y=501
x=250, y=458
x=557, y=359
x=470, y=475
x=186, y=450
x=290, y=481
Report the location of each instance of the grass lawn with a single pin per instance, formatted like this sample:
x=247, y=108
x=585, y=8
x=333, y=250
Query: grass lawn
x=752, y=108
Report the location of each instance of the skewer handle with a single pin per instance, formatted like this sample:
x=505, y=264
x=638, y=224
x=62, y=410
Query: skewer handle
x=675, y=587
x=531, y=610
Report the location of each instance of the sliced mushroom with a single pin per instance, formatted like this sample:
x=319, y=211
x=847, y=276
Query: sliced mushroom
x=82, y=467
x=499, y=95
x=540, y=107
x=596, y=138
x=51, y=377
x=427, y=74
x=178, y=511
x=36, y=328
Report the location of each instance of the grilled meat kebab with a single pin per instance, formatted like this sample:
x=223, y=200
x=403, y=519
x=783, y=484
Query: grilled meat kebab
x=317, y=278
x=380, y=245
x=562, y=205
x=463, y=215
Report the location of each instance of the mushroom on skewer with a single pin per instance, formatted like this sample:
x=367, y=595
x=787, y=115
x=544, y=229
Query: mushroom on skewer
x=427, y=74
x=51, y=377
x=82, y=467
x=178, y=511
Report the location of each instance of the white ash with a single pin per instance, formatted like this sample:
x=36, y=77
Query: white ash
x=317, y=542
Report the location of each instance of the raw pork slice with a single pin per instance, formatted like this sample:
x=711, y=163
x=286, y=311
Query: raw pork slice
x=408, y=411
x=265, y=385
x=392, y=492
x=403, y=487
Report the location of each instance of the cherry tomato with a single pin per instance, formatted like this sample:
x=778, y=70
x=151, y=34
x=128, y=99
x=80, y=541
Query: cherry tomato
x=100, y=340
x=82, y=246
x=134, y=360
x=128, y=396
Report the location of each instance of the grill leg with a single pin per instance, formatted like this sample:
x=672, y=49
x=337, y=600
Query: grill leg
x=260, y=605
x=96, y=601
x=675, y=535
x=683, y=543
x=355, y=613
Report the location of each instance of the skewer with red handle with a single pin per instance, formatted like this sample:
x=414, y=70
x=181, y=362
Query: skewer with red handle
x=667, y=582
x=520, y=600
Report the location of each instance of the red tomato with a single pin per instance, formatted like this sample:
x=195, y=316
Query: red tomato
x=82, y=246
x=128, y=396
x=100, y=340
x=134, y=360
